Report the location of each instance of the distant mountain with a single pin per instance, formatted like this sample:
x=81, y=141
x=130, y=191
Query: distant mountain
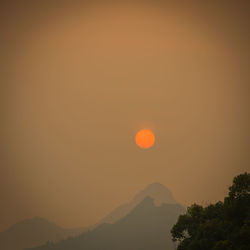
x=158, y=192
x=146, y=227
x=34, y=232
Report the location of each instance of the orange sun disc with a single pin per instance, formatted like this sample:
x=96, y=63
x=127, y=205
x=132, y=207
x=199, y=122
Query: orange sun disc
x=145, y=138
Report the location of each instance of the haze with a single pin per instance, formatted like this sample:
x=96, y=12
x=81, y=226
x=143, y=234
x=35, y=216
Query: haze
x=79, y=80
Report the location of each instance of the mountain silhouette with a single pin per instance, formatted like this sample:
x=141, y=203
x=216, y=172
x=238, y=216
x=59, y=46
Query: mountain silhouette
x=158, y=192
x=33, y=232
x=145, y=227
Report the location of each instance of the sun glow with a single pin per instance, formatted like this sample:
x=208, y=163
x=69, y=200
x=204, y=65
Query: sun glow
x=145, y=138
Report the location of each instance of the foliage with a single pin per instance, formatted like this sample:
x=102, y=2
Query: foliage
x=224, y=225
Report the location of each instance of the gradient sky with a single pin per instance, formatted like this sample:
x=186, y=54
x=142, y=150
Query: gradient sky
x=78, y=80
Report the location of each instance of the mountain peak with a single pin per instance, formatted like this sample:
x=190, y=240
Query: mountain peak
x=156, y=185
x=35, y=219
x=146, y=227
x=32, y=232
x=147, y=201
x=158, y=192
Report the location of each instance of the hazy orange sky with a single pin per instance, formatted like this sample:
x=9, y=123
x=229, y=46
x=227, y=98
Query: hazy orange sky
x=78, y=80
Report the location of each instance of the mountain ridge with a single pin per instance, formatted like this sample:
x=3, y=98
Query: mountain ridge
x=32, y=232
x=36, y=231
x=160, y=194
x=146, y=227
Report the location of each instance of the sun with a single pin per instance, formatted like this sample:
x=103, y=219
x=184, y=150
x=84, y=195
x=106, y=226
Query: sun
x=145, y=138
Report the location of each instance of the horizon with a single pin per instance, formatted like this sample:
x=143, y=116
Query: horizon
x=153, y=184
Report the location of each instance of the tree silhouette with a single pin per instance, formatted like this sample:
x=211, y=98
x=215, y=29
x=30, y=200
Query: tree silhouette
x=224, y=225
